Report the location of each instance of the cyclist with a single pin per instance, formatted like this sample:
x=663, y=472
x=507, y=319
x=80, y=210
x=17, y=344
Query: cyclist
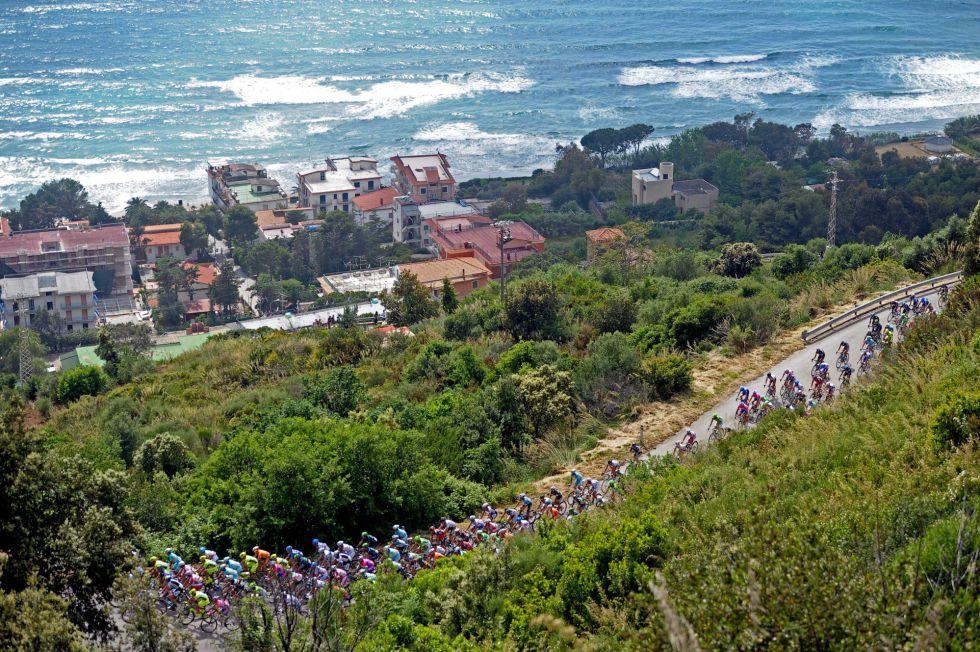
x=742, y=412
x=490, y=512
x=786, y=375
x=845, y=374
x=822, y=370
x=889, y=334
x=770, y=385
x=250, y=562
x=636, y=451
x=210, y=554
x=525, y=505
x=687, y=441
x=844, y=347
x=399, y=532
x=263, y=557
x=818, y=357
x=368, y=541
x=346, y=552
x=743, y=394
x=475, y=523
x=203, y=601
x=577, y=478
x=755, y=401
x=716, y=422
x=614, y=467
x=831, y=391
x=447, y=525
x=869, y=343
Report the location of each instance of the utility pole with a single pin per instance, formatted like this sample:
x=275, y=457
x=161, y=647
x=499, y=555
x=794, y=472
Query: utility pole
x=24, y=341
x=832, y=217
x=503, y=238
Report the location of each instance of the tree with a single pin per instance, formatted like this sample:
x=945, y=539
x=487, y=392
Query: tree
x=63, y=523
x=240, y=225
x=194, y=238
x=547, y=397
x=52, y=201
x=166, y=452
x=81, y=381
x=171, y=278
x=448, y=297
x=738, y=259
x=147, y=629
x=972, y=253
x=616, y=312
x=224, y=292
x=108, y=352
x=603, y=142
x=35, y=619
x=634, y=135
x=533, y=311
x=409, y=302
x=269, y=291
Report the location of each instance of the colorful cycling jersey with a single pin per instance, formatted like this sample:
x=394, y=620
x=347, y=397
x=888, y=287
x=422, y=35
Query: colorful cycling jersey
x=400, y=533
x=203, y=599
x=252, y=563
x=393, y=553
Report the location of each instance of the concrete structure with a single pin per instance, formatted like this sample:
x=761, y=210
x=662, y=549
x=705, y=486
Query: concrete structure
x=334, y=185
x=283, y=223
x=651, y=185
x=482, y=242
x=938, y=144
x=69, y=296
x=412, y=221
x=162, y=241
x=244, y=184
x=424, y=177
x=466, y=274
x=85, y=355
x=102, y=250
x=597, y=241
x=377, y=206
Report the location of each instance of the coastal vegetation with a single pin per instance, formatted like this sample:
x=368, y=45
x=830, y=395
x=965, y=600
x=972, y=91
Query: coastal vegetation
x=273, y=438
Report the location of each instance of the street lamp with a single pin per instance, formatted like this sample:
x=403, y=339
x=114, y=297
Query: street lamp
x=503, y=237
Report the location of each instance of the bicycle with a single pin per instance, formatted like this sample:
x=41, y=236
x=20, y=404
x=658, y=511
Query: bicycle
x=842, y=360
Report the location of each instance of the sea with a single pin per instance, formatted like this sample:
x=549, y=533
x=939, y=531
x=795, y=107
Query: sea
x=134, y=98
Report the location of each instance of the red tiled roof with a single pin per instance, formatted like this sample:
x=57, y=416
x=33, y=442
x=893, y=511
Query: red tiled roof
x=113, y=235
x=197, y=307
x=374, y=200
x=161, y=238
x=206, y=272
x=483, y=240
x=605, y=234
x=162, y=228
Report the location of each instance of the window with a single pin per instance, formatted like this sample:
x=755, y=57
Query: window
x=445, y=189
x=335, y=196
x=16, y=306
x=422, y=191
x=357, y=184
x=30, y=304
x=71, y=327
x=50, y=305
x=371, y=184
x=345, y=198
x=84, y=300
x=666, y=176
x=85, y=326
x=16, y=320
x=476, y=284
x=346, y=208
x=323, y=176
x=323, y=200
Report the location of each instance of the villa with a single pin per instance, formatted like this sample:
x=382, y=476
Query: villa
x=651, y=185
x=334, y=185
x=244, y=184
x=424, y=177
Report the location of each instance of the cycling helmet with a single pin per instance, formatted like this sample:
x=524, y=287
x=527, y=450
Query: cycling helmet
x=153, y=560
x=340, y=544
x=201, y=550
x=241, y=556
x=254, y=549
x=316, y=542
x=472, y=517
x=395, y=528
x=547, y=501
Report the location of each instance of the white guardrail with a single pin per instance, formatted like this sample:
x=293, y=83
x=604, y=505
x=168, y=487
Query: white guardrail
x=875, y=305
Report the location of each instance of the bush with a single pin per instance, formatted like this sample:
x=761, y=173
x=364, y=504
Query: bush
x=167, y=453
x=738, y=259
x=616, y=312
x=957, y=422
x=339, y=390
x=608, y=377
x=80, y=381
x=534, y=311
x=797, y=259
x=666, y=375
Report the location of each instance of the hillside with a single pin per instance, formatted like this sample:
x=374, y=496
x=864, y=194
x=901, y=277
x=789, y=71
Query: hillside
x=854, y=528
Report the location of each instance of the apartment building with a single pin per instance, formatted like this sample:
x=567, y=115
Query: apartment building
x=465, y=275
x=482, y=242
x=651, y=185
x=377, y=206
x=244, y=184
x=424, y=177
x=102, y=250
x=411, y=222
x=70, y=296
x=162, y=241
x=334, y=185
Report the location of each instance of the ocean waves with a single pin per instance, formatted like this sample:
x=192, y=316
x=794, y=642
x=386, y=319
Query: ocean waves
x=383, y=99
x=931, y=88
x=741, y=78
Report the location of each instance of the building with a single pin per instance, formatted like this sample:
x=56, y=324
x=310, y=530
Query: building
x=161, y=241
x=482, y=242
x=466, y=274
x=244, y=184
x=334, y=185
x=938, y=144
x=201, y=287
x=69, y=296
x=86, y=355
x=598, y=241
x=411, y=223
x=102, y=250
x=424, y=177
x=651, y=185
x=283, y=223
x=377, y=206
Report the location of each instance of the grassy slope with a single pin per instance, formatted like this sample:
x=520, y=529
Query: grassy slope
x=834, y=531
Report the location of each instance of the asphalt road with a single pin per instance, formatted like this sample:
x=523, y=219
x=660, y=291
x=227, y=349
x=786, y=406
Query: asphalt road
x=800, y=363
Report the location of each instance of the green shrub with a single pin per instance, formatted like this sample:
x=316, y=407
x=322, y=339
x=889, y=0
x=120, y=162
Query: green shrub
x=80, y=381
x=957, y=422
x=666, y=375
x=795, y=260
x=167, y=453
x=339, y=390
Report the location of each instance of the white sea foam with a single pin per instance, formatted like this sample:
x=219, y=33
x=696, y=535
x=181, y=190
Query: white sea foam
x=732, y=58
x=98, y=7
x=745, y=82
x=263, y=128
x=935, y=88
x=381, y=100
x=471, y=148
